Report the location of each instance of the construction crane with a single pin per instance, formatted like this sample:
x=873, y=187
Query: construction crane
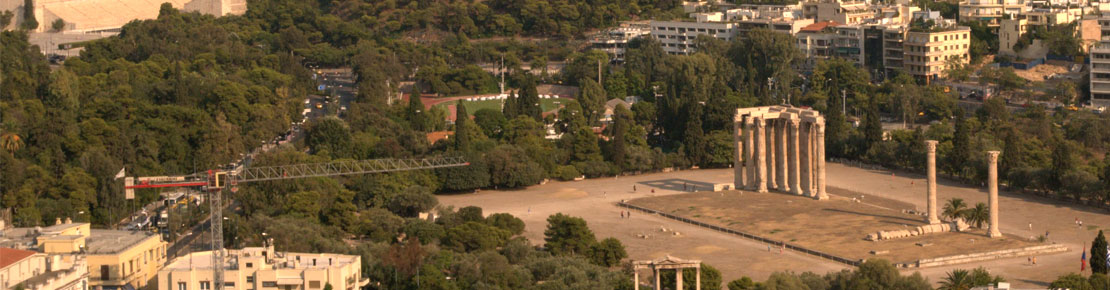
x=216, y=182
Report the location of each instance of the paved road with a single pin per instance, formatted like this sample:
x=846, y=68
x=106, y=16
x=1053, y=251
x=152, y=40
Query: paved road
x=594, y=201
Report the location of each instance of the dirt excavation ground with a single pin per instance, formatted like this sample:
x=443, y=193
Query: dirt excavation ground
x=836, y=226
x=595, y=201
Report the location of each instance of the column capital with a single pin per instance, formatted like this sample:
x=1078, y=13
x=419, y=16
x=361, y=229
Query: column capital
x=931, y=146
x=794, y=122
x=993, y=155
x=759, y=122
x=820, y=128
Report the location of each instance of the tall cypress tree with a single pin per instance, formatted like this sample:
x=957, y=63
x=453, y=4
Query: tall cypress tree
x=529, y=101
x=622, y=120
x=29, y=22
x=872, y=126
x=1098, y=254
x=511, y=108
x=961, y=145
x=462, y=127
x=694, y=138
x=416, y=113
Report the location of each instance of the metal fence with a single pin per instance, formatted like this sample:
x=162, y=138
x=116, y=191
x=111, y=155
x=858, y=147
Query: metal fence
x=789, y=246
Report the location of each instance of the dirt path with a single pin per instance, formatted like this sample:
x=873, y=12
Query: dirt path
x=594, y=201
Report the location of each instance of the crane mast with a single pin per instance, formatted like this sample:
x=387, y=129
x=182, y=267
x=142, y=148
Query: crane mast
x=217, y=182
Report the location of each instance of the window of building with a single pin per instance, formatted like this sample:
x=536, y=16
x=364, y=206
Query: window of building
x=181, y=286
x=205, y=285
x=104, y=273
x=314, y=284
x=250, y=265
x=250, y=279
x=229, y=284
x=269, y=283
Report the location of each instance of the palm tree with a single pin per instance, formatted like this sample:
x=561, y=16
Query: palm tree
x=10, y=141
x=954, y=209
x=958, y=279
x=978, y=215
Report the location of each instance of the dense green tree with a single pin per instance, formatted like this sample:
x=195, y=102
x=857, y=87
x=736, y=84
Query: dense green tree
x=463, y=128
x=978, y=215
x=510, y=167
x=955, y=208
x=1071, y=281
x=490, y=121
x=592, y=98
x=872, y=126
x=529, y=100
x=567, y=235
x=607, y=252
x=506, y=222
x=1098, y=254
x=29, y=21
x=744, y=283
x=412, y=201
x=475, y=236
x=961, y=147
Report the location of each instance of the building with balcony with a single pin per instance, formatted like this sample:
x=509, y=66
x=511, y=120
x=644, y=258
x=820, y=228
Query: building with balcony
x=1100, y=66
x=124, y=259
x=615, y=41
x=990, y=11
x=846, y=12
x=677, y=37
x=828, y=39
x=927, y=52
x=264, y=268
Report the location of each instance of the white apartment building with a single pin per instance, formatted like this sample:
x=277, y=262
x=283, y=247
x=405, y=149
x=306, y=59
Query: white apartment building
x=264, y=268
x=828, y=39
x=990, y=11
x=926, y=53
x=677, y=37
x=846, y=12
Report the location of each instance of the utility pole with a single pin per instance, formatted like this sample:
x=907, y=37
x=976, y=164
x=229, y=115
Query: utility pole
x=502, y=69
x=599, y=72
x=844, y=103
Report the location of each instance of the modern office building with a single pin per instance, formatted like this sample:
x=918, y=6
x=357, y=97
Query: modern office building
x=264, y=268
x=677, y=37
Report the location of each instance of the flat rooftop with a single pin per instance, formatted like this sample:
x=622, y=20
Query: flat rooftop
x=203, y=260
x=103, y=242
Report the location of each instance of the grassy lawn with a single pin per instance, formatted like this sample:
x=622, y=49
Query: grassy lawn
x=474, y=106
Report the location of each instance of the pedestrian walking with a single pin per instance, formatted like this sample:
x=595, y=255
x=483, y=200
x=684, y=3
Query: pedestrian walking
x=652, y=190
x=633, y=188
x=1030, y=226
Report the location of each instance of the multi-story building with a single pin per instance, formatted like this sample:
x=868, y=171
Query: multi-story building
x=108, y=15
x=119, y=259
x=927, y=52
x=1100, y=66
x=615, y=41
x=846, y=12
x=677, y=37
x=894, y=38
x=827, y=39
x=44, y=258
x=990, y=11
x=264, y=268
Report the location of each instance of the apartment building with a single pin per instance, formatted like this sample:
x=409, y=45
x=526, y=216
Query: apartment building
x=44, y=258
x=846, y=12
x=990, y=11
x=615, y=41
x=927, y=52
x=119, y=259
x=265, y=268
x=1100, y=66
x=677, y=37
x=828, y=39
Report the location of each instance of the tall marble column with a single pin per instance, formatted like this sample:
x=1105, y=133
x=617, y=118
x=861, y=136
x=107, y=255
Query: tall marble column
x=772, y=182
x=795, y=186
x=749, y=153
x=821, y=194
x=931, y=177
x=761, y=155
x=806, y=157
x=992, y=190
x=738, y=173
x=783, y=183
x=635, y=280
x=657, y=284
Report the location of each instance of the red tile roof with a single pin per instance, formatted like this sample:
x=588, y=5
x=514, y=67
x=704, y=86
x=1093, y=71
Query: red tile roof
x=819, y=26
x=9, y=256
x=434, y=137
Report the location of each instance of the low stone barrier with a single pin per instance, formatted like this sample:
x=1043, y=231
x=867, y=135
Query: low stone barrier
x=1000, y=254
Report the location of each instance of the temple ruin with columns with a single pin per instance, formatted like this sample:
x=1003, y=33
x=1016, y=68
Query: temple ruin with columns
x=780, y=148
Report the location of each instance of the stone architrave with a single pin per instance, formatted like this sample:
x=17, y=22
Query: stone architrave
x=761, y=155
x=992, y=190
x=931, y=176
x=795, y=184
x=821, y=194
